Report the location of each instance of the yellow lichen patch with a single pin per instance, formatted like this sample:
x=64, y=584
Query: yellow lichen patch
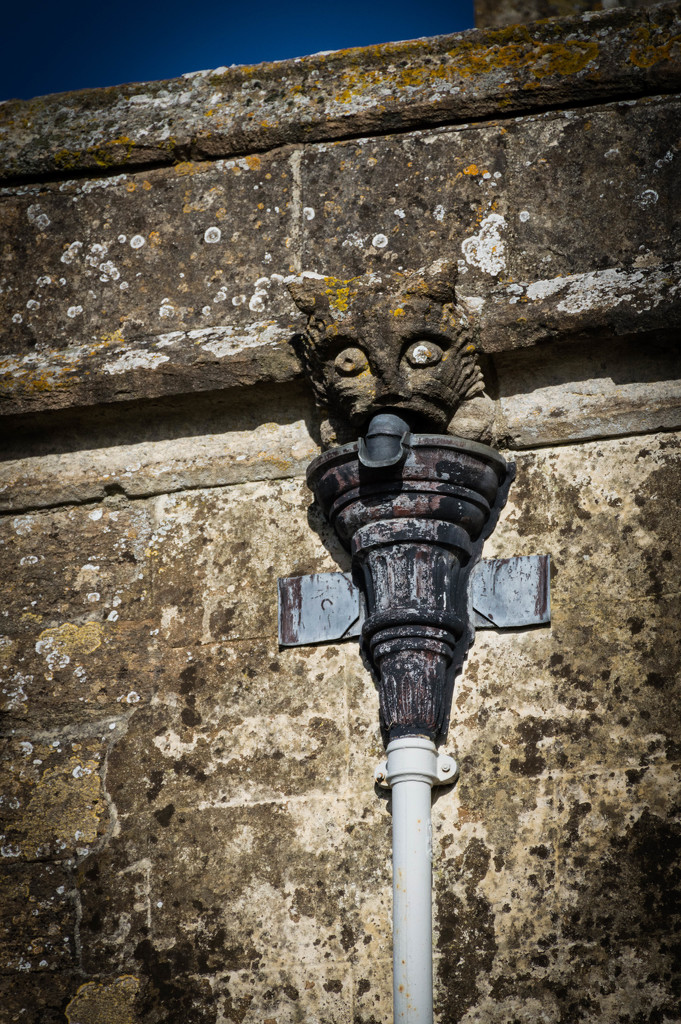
x=115, y=338
x=65, y=809
x=38, y=381
x=543, y=60
x=254, y=162
x=109, y=152
x=358, y=80
x=646, y=51
x=30, y=617
x=154, y=239
x=278, y=462
x=510, y=49
x=185, y=167
x=108, y=1002
x=471, y=169
x=398, y=312
x=67, y=159
x=106, y=154
x=339, y=298
x=69, y=639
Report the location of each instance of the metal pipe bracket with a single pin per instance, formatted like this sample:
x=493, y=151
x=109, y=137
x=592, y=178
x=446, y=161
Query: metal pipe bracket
x=447, y=772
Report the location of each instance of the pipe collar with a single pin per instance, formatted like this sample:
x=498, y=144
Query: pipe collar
x=415, y=759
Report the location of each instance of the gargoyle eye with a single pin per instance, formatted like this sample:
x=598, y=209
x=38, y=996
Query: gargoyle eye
x=350, y=362
x=424, y=353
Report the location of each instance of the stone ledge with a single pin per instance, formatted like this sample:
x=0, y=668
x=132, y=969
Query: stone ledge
x=561, y=393
x=392, y=87
x=177, y=363
x=611, y=303
x=158, y=467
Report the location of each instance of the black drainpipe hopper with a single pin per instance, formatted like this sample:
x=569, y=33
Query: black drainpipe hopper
x=414, y=511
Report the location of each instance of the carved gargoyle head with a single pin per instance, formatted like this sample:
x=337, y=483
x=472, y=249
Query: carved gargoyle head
x=387, y=341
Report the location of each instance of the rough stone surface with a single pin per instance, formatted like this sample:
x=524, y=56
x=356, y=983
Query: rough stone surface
x=194, y=301
x=233, y=855
x=231, y=439
x=200, y=233
x=121, y=301
x=526, y=206
x=107, y=580
x=190, y=831
x=38, y=922
x=351, y=92
x=55, y=807
x=571, y=391
x=493, y=14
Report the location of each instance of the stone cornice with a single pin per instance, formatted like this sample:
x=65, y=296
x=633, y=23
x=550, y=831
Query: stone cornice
x=448, y=79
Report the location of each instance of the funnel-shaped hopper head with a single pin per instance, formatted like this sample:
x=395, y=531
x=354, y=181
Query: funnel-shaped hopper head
x=415, y=530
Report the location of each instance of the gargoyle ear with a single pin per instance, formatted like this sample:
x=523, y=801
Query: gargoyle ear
x=437, y=280
x=309, y=293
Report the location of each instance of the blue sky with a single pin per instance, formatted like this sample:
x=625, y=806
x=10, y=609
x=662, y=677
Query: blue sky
x=72, y=44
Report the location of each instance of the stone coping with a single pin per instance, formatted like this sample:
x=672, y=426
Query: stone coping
x=591, y=58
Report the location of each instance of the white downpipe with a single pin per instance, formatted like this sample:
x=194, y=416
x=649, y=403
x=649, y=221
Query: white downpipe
x=412, y=769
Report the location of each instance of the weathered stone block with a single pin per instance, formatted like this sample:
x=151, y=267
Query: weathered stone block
x=286, y=995
x=78, y=673
x=219, y=895
x=494, y=883
x=77, y=639
x=114, y=888
x=218, y=554
x=38, y=998
x=373, y=1002
x=605, y=512
x=54, y=803
x=235, y=723
x=524, y=205
x=38, y=930
x=71, y=571
x=624, y=827
x=592, y=694
x=525, y=919
x=231, y=439
x=581, y=391
x=169, y=251
x=135, y=303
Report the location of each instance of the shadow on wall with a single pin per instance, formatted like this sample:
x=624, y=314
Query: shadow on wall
x=588, y=389
x=644, y=359
x=162, y=419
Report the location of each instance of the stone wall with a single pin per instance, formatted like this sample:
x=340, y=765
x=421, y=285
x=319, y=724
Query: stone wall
x=497, y=13
x=190, y=827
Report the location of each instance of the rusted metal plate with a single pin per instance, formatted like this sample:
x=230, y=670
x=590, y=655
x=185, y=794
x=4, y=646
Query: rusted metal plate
x=510, y=592
x=323, y=606
x=506, y=593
